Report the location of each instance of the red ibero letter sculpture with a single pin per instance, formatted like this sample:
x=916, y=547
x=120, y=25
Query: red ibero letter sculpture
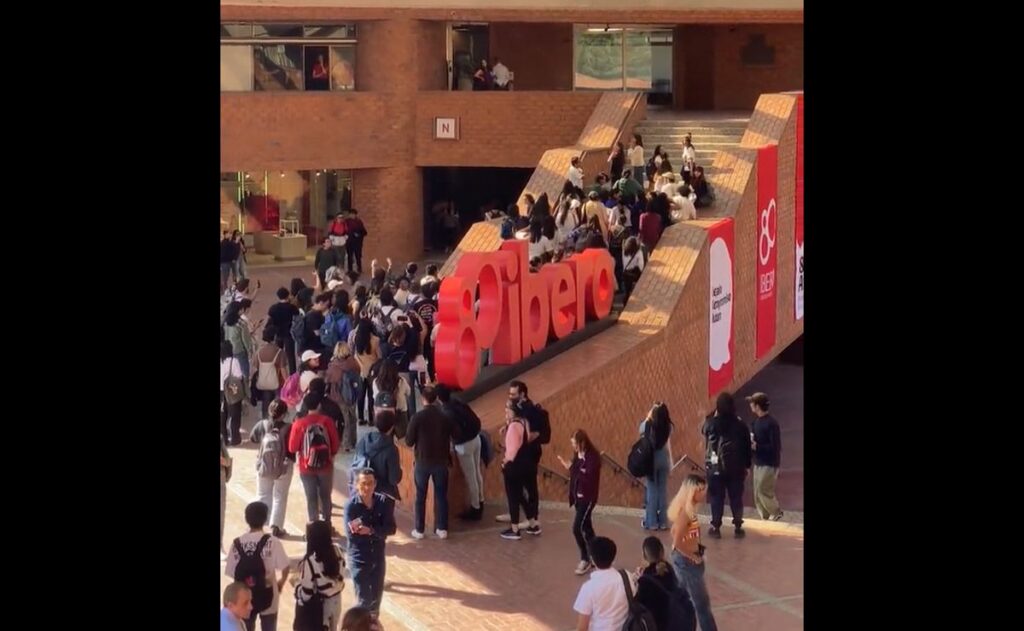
x=518, y=312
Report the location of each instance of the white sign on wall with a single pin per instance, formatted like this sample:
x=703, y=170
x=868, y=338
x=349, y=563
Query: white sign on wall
x=446, y=129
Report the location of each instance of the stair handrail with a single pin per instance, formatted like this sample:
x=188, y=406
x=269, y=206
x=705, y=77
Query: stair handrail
x=693, y=463
x=618, y=468
x=547, y=472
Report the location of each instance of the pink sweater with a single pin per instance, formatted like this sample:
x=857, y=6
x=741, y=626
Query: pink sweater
x=513, y=440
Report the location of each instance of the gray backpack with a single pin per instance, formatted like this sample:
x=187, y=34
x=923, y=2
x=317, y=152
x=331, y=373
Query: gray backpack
x=234, y=387
x=270, y=461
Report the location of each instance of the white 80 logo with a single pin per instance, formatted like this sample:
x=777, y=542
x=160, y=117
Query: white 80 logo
x=766, y=234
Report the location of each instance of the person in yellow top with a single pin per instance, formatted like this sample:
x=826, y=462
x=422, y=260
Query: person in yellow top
x=687, y=551
x=594, y=208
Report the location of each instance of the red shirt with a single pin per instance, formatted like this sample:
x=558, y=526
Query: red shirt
x=339, y=228
x=650, y=229
x=298, y=433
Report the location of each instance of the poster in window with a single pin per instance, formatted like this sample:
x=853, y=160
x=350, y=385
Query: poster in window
x=343, y=68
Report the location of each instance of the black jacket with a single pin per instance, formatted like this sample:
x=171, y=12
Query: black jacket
x=769, y=441
x=728, y=437
x=430, y=434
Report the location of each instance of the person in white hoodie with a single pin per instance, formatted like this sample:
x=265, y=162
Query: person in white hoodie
x=567, y=219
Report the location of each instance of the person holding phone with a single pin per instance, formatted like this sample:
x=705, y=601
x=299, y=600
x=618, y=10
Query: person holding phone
x=584, y=484
x=369, y=521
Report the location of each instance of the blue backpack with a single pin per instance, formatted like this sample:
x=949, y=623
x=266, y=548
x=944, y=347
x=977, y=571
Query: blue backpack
x=508, y=229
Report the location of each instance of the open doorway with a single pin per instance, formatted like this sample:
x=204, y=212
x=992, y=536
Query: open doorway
x=454, y=198
x=467, y=45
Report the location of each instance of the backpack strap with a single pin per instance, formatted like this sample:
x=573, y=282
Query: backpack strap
x=629, y=590
x=262, y=544
x=237, y=545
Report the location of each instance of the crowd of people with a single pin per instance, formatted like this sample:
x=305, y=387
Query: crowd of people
x=625, y=210
x=343, y=352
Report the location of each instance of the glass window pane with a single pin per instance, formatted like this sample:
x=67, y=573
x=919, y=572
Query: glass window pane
x=638, y=60
x=236, y=30
x=277, y=30
x=343, y=67
x=278, y=67
x=661, y=63
x=236, y=68
x=331, y=31
x=317, y=68
x=598, y=59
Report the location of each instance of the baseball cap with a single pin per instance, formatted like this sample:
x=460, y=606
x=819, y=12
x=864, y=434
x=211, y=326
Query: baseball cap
x=384, y=400
x=758, y=398
x=308, y=355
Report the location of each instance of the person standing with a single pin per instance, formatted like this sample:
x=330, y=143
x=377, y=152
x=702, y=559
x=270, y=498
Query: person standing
x=617, y=161
x=314, y=440
x=502, y=75
x=369, y=521
x=466, y=442
x=281, y=315
x=636, y=159
x=767, y=447
x=356, y=232
x=430, y=434
x=603, y=602
x=228, y=255
x=584, y=485
x=377, y=450
x=270, y=368
x=658, y=426
x=344, y=385
x=274, y=464
x=232, y=393
x=687, y=551
x=321, y=581
x=326, y=258
x=728, y=459
x=256, y=558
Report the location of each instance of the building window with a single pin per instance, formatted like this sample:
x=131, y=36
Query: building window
x=622, y=58
x=275, y=57
x=256, y=201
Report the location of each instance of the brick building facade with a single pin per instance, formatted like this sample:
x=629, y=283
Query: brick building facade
x=380, y=133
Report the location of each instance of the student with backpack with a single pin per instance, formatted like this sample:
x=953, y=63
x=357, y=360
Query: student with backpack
x=657, y=589
x=657, y=427
x=728, y=459
x=687, y=551
x=377, y=450
x=466, y=441
x=321, y=581
x=314, y=440
x=274, y=464
x=255, y=559
x=518, y=469
x=233, y=391
x=344, y=384
x=604, y=601
x=369, y=521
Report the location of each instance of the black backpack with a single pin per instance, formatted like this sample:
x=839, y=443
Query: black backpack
x=681, y=615
x=465, y=418
x=251, y=571
x=639, y=617
x=724, y=452
x=640, y=460
x=544, y=420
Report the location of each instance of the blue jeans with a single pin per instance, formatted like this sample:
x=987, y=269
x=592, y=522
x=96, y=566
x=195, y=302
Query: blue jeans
x=243, y=363
x=318, y=494
x=439, y=474
x=691, y=579
x=368, y=579
x=225, y=274
x=656, y=508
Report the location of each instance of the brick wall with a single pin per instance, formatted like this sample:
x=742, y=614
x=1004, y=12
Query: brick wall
x=430, y=51
x=539, y=54
x=738, y=86
x=658, y=350
x=499, y=129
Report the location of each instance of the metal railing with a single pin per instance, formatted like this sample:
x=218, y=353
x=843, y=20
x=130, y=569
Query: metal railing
x=619, y=469
x=693, y=463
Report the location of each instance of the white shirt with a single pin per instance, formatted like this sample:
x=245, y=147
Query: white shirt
x=562, y=231
x=615, y=212
x=274, y=560
x=305, y=379
x=635, y=261
x=501, y=74
x=229, y=367
x=575, y=176
x=402, y=298
x=538, y=249
x=603, y=598
x=683, y=208
x=689, y=154
x=315, y=579
x=636, y=156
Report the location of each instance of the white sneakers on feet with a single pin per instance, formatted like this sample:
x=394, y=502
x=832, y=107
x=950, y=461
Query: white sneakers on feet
x=416, y=534
x=583, y=567
x=442, y=534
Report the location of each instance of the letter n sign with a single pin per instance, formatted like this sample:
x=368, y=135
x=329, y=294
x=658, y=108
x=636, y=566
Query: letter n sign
x=446, y=129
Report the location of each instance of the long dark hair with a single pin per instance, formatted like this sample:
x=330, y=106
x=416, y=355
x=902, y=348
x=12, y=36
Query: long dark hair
x=661, y=425
x=654, y=554
x=536, y=229
x=387, y=378
x=725, y=405
x=318, y=542
x=363, y=332
x=583, y=440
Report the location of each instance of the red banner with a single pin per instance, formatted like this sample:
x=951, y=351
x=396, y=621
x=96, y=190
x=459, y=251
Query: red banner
x=798, y=295
x=767, y=253
x=720, y=331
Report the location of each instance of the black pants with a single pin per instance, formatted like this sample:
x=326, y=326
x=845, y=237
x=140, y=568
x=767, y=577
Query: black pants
x=287, y=342
x=365, y=402
x=521, y=489
x=354, y=254
x=718, y=486
x=232, y=412
x=583, y=527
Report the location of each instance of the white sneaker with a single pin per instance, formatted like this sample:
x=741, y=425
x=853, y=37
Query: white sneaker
x=416, y=534
x=582, y=568
x=442, y=534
